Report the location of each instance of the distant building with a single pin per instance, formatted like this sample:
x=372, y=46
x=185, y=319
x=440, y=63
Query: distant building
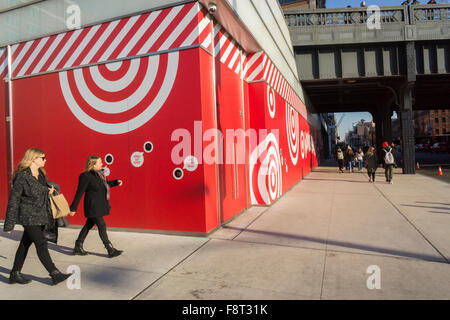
x=302, y=4
x=431, y=124
x=362, y=135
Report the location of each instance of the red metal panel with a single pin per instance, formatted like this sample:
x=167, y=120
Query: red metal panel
x=283, y=153
x=210, y=141
x=72, y=116
x=4, y=135
x=230, y=114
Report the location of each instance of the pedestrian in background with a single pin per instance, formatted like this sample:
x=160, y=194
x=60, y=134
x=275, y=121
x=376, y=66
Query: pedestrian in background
x=29, y=205
x=371, y=163
x=349, y=158
x=360, y=158
x=388, y=161
x=340, y=160
x=96, y=189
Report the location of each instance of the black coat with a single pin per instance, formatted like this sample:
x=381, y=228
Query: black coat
x=371, y=161
x=95, y=202
x=28, y=203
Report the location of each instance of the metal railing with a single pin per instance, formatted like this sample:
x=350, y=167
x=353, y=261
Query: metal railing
x=429, y=13
x=415, y=14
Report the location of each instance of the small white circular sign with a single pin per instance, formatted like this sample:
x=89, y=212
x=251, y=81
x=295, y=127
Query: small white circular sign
x=137, y=159
x=106, y=171
x=190, y=163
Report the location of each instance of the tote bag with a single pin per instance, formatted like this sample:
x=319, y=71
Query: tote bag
x=60, y=207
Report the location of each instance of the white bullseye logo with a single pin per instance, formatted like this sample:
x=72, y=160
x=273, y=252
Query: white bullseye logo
x=292, y=131
x=265, y=171
x=122, y=96
x=271, y=102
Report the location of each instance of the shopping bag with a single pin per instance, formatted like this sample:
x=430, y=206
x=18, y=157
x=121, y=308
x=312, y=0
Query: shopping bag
x=60, y=207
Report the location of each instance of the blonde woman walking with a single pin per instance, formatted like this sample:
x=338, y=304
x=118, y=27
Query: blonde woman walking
x=29, y=205
x=95, y=187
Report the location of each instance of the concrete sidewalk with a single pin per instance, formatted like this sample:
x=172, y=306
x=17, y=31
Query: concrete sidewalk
x=316, y=242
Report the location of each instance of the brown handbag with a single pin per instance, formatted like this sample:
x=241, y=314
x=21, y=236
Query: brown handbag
x=60, y=206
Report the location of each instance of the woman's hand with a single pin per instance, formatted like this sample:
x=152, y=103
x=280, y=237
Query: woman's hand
x=51, y=190
x=72, y=213
x=120, y=182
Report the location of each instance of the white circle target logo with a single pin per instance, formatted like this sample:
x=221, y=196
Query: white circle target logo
x=292, y=131
x=265, y=171
x=119, y=97
x=271, y=105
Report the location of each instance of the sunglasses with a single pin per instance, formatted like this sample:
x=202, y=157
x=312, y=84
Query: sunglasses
x=43, y=158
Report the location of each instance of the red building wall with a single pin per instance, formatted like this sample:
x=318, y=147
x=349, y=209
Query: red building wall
x=206, y=96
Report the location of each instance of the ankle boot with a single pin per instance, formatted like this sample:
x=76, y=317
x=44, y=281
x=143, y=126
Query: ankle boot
x=17, y=277
x=58, y=276
x=111, y=251
x=78, y=250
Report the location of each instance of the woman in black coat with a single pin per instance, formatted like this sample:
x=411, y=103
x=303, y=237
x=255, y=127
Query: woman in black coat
x=371, y=162
x=95, y=187
x=29, y=205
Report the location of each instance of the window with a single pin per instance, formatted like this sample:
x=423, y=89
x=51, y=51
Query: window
x=443, y=120
x=436, y=120
x=436, y=131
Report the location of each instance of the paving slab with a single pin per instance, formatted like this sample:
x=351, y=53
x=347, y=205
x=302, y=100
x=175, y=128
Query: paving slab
x=255, y=267
x=346, y=276
x=232, y=229
x=182, y=288
x=295, y=220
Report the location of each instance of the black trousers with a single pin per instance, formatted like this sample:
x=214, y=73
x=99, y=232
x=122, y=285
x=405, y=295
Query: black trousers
x=371, y=174
x=101, y=225
x=33, y=234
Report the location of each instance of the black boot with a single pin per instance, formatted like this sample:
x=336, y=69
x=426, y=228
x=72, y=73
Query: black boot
x=58, y=276
x=78, y=250
x=111, y=251
x=17, y=277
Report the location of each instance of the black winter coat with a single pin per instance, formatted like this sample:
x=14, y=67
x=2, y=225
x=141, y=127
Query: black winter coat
x=95, y=202
x=28, y=203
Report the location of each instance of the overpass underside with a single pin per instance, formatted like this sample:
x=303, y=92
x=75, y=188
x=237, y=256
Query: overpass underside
x=346, y=67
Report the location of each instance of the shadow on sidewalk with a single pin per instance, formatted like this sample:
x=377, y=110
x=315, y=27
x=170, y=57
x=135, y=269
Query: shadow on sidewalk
x=347, y=245
x=441, y=203
x=341, y=180
x=47, y=281
x=429, y=207
x=16, y=235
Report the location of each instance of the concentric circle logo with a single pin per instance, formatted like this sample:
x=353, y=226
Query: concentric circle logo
x=292, y=131
x=122, y=96
x=265, y=171
x=271, y=105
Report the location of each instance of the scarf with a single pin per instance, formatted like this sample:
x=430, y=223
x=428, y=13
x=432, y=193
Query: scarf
x=102, y=176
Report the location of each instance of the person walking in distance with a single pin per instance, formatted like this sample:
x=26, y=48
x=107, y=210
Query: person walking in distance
x=340, y=160
x=96, y=189
x=29, y=205
x=349, y=158
x=389, y=162
x=360, y=158
x=371, y=162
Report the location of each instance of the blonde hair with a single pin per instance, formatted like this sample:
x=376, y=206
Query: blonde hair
x=90, y=162
x=29, y=156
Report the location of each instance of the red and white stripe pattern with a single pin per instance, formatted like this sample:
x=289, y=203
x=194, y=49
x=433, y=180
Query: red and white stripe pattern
x=226, y=49
x=3, y=62
x=155, y=31
x=258, y=67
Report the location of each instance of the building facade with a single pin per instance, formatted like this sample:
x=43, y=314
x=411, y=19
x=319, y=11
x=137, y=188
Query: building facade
x=432, y=125
x=194, y=109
